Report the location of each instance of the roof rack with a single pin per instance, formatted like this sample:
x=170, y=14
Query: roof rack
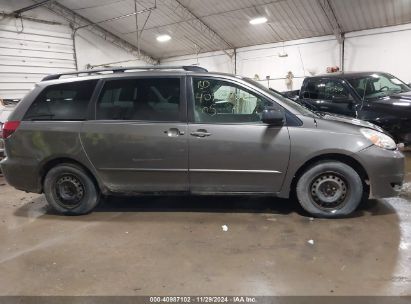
x=190, y=68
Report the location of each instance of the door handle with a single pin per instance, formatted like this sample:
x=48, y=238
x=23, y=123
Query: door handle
x=174, y=132
x=200, y=133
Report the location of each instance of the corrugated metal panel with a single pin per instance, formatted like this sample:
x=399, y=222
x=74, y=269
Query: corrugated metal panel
x=26, y=57
x=216, y=7
x=354, y=15
x=288, y=20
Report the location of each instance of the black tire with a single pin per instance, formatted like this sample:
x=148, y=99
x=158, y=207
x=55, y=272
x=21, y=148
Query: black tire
x=330, y=189
x=70, y=190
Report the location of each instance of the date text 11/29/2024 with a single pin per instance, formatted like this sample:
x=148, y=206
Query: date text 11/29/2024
x=203, y=299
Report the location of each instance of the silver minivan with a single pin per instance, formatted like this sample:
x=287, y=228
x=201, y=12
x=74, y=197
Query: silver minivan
x=179, y=130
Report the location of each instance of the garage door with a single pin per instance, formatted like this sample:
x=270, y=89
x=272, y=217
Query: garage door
x=26, y=57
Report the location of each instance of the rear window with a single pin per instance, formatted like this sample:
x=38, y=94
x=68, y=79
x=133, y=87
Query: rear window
x=145, y=99
x=67, y=101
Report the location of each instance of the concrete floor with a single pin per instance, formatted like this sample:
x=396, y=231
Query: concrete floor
x=176, y=246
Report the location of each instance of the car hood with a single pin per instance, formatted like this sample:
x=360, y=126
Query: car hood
x=352, y=121
x=400, y=102
x=404, y=95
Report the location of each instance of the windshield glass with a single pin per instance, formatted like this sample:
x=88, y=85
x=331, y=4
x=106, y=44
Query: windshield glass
x=282, y=98
x=378, y=85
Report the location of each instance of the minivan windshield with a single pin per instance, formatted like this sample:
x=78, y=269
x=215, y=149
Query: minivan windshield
x=378, y=85
x=292, y=104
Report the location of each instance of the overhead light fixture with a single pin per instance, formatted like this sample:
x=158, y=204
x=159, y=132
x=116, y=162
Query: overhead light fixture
x=163, y=38
x=258, y=20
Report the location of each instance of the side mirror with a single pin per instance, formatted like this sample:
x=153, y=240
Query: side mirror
x=273, y=117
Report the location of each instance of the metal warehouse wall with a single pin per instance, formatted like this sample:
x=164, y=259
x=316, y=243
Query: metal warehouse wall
x=29, y=53
x=382, y=49
x=304, y=56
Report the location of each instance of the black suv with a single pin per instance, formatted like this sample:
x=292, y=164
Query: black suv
x=379, y=98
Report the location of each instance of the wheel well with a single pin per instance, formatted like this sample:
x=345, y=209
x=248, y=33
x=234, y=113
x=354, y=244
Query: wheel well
x=353, y=163
x=52, y=163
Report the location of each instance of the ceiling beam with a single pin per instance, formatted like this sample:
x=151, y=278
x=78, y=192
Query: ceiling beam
x=155, y=27
x=120, y=17
x=332, y=19
x=30, y=7
x=78, y=21
x=199, y=25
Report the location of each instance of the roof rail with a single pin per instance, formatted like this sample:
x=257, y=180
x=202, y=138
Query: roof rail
x=190, y=68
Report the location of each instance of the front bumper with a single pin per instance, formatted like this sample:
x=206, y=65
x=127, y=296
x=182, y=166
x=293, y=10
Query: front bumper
x=385, y=169
x=398, y=128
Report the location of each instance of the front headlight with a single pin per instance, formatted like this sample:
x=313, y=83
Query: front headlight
x=379, y=139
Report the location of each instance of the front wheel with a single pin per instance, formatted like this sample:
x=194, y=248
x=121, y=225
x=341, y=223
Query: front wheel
x=330, y=189
x=70, y=190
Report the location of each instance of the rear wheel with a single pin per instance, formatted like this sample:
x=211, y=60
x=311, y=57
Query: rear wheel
x=70, y=190
x=330, y=189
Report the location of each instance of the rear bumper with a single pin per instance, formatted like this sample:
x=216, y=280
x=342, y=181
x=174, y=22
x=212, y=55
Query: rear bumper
x=22, y=174
x=385, y=170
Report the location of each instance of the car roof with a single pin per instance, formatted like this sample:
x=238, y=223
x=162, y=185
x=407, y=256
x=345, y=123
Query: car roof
x=150, y=73
x=346, y=75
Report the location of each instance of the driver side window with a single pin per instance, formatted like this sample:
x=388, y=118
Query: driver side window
x=218, y=101
x=327, y=90
x=334, y=90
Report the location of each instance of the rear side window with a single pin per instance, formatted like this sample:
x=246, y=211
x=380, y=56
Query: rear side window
x=67, y=101
x=147, y=99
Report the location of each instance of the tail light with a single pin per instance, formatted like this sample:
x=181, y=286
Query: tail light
x=9, y=128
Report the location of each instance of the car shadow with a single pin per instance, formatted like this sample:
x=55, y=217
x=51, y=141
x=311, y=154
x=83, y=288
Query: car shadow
x=218, y=204
x=226, y=204
x=206, y=204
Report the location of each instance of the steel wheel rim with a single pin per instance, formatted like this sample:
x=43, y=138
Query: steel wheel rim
x=69, y=191
x=329, y=191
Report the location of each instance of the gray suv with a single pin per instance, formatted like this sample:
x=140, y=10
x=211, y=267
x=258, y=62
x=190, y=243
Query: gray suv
x=151, y=130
